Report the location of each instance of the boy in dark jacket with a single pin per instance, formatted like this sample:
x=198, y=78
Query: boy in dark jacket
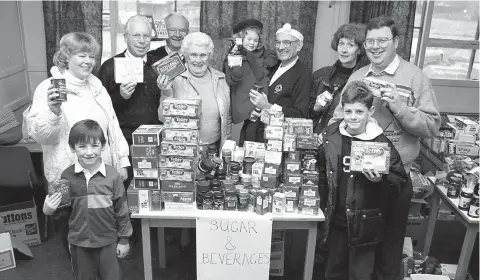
x=99, y=221
x=354, y=203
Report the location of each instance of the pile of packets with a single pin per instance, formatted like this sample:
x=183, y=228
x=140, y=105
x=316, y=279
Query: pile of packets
x=278, y=176
x=458, y=136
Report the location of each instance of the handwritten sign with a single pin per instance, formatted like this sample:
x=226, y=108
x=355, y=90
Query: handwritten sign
x=128, y=70
x=233, y=244
x=161, y=29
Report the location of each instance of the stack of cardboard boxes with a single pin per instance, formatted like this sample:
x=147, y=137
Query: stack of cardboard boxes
x=145, y=163
x=178, y=152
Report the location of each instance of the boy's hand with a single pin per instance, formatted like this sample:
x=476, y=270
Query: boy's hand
x=372, y=175
x=51, y=203
x=122, y=250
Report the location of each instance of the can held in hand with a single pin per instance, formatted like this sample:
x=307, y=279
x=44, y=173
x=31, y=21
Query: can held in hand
x=61, y=87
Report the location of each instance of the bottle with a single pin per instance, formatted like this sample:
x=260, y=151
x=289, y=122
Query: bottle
x=230, y=200
x=218, y=201
x=235, y=171
x=226, y=158
x=465, y=198
x=205, y=166
x=208, y=201
x=253, y=117
x=221, y=174
x=212, y=151
x=215, y=186
x=454, y=187
x=203, y=187
x=474, y=210
x=242, y=199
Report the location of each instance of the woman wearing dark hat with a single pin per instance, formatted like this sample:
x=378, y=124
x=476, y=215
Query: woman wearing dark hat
x=329, y=81
x=256, y=64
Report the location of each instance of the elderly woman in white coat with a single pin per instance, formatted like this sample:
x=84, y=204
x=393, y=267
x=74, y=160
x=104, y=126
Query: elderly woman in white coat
x=201, y=81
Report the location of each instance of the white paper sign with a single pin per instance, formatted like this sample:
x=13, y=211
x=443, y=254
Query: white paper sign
x=128, y=70
x=233, y=245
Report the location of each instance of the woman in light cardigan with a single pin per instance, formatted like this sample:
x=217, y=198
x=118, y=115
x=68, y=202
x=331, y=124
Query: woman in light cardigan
x=49, y=121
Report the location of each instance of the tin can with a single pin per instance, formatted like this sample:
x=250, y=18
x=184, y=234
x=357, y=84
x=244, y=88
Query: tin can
x=465, y=199
x=61, y=87
x=474, y=210
x=247, y=165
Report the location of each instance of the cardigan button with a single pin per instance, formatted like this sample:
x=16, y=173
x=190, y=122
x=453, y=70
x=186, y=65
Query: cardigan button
x=351, y=176
x=348, y=210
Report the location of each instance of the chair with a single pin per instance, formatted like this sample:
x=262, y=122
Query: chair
x=18, y=180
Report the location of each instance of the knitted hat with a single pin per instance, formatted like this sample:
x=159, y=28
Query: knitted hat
x=287, y=29
x=246, y=23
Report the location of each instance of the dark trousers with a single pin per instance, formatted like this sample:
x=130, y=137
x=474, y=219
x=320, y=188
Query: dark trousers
x=252, y=131
x=387, y=265
x=346, y=263
x=88, y=263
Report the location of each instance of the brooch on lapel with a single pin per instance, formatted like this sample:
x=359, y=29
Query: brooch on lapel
x=278, y=88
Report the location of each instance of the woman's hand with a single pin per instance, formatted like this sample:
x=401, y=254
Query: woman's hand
x=122, y=250
x=163, y=83
x=259, y=100
x=51, y=203
x=52, y=102
x=123, y=173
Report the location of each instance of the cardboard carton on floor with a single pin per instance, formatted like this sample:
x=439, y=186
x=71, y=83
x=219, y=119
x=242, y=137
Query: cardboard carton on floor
x=428, y=277
x=21, y=221
x=7, y=258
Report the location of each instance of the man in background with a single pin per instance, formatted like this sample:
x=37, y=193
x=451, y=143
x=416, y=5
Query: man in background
x=177, y=29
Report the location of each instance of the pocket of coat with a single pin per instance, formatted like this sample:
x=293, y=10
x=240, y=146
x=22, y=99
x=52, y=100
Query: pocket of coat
x=369, y=229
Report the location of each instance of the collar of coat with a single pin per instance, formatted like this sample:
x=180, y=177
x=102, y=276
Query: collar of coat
x=216, y=75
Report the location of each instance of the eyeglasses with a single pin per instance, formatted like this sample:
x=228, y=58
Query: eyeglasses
x=382, y=42
x=182, y=32
x=286, y=43
x=202, y=56
x=137, y=37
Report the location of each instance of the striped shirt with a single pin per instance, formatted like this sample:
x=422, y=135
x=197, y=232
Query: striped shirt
x=99, y=207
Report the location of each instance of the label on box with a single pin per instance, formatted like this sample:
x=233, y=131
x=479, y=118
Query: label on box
x=132, y=200
x=273, y=157
x=176, y=162
x=172, y=174
x=289, y=142
x=269, y=181
x=255, y=150
x=178, y=186
x=273, y=132
x=182, y=123
x=145, y=162
x=176, y=149
x=20, y=220
x=297, y=126
x=274, y=145
x=370, y=155
x=257, y=169
x=309, y=160
x=144, y=202
x=292, y=167
x=178, y=197
x=170, y=66
x=294, y=179
x=147, y=134
x=270, y=168
x=145, y=173
x=182, y=107
x=307, y=142
x=310, y=190
x=178, y=135
x=376, y=85
x=180, y=207
x=310, y=178
x=146, y=184
x=145, y=151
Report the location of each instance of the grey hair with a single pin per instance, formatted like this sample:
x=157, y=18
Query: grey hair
x=167, y=18
x=138, y=18
x=197, y=39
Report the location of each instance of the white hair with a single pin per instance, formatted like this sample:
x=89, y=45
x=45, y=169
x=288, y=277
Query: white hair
x=198, y=39
x=176, y=14
x=139, y=18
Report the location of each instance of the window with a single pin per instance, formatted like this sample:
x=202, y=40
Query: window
x=116, y=14
x=445, y=43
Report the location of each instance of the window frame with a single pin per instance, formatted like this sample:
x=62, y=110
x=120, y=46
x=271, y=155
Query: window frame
x=425, y=41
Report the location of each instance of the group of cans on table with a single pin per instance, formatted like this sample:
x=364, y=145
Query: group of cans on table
x=465, y=190
x=172, y=173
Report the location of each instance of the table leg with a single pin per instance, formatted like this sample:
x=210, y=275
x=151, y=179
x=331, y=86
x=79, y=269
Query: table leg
x=432, y=219
x=147, y=254
x=310, y=253
x=161, y=247
x=466, y=253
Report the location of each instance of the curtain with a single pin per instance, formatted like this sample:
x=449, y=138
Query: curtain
x=402, y=12
x=62, y=17
x=217, y=19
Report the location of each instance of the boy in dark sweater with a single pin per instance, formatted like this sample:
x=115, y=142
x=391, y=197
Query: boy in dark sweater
x=99, y=221
x=354, y=203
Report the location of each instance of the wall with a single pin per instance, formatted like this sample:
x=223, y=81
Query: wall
x=457, y=96
x=330, y=15
x=14, y=91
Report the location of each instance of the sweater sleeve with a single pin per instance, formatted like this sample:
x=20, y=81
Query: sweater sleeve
x=106, y=74
x=44, y=126
x=122, y=215
x=300, y=96
x=233, y=75
x=317, y=88
x=323, y=181
x=423, y=118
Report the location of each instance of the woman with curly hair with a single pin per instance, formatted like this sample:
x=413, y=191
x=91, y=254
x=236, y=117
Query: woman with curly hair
x=328, y=82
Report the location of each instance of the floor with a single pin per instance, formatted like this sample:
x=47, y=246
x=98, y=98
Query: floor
x=50, y=261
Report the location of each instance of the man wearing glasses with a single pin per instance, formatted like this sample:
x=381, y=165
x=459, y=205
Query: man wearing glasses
x=290, y=81
x=134, y=104
x=177, y=28
x=407, y=110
